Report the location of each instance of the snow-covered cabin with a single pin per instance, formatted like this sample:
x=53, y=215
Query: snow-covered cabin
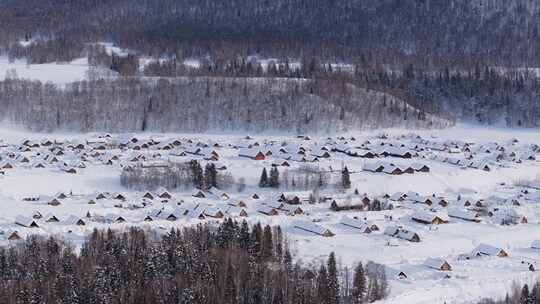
x=392, y=169
x=463, y=215
x=236, y=212
x=13, y=235
x=401, y=233
x=218, y=193
x=199, y=194
x=488, y=250
x=214, y=212
x=267, y=210
x=373, y=167
x=292, y=209
x=313, y=228
x=252, y=153
x=54, y=202
x=26, y=222
x=74, y=220
x=362, y=226
x=428, y=218
x=419, y=167
x=51, y=218
x=438, y=264
x=163, y=193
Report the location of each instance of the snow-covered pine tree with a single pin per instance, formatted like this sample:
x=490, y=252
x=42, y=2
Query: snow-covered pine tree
x=263, y=182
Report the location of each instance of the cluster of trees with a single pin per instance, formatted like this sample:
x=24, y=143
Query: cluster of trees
x=172, y=175
x=43, y=51
x=305, y=177
x=480, y=93
x=350, y=204
x=271, y=181
x=231, y=263
x=487, y=95
x=520, y=294
x=200, y=104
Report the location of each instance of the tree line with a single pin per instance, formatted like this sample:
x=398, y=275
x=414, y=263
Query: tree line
x=228, y=263
x=199, y=104
x=519, y=294
x=394, y=32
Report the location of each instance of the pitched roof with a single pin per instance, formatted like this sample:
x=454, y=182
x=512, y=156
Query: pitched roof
x=312, y=227
x=485, y=249
x=435, y=263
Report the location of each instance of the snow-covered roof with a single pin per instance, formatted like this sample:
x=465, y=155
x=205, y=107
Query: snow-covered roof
x=312, y=227
x=463, y=214
x=354, y=223
x=436, y=263
x=428, y=217
x=485, y=249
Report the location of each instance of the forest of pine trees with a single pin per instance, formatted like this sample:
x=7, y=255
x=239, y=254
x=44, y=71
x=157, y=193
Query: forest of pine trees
x=426, y=33
x=520, y=294
x=229, y=263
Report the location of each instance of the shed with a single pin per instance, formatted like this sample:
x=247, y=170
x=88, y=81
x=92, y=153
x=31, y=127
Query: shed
x=428, y=218
x=26, y=222
x=401, y=233
x=437, y=263
x=463, y=215
x=488, y=250
x=313, y=228
x=362, y=226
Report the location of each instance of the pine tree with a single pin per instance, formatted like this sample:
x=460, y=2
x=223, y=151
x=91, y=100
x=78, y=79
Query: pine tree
x=255, y=241
x=333, y=283
x=197, y=173
x=373, y=289
x=322, y=286
x=274, y=178
x=287, y=260
x=243, y=235
x=230, y=296
x=535, y=293
x=210, y=176
x=278, y=243
x=267, y=243
x=524, y=297
x=345, y=179
x=359, y=284
x=264, y=179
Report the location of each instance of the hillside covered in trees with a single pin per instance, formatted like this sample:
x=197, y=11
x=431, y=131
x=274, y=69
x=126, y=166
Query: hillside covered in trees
x=232, y=263
x=434, y=33
x=201, y=104
x=474, y=61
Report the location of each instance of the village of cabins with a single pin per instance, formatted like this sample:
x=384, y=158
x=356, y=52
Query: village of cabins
x=370, y=210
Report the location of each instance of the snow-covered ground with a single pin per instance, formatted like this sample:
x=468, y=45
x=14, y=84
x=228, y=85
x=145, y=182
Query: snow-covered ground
x=60, y=73
x=468, y=280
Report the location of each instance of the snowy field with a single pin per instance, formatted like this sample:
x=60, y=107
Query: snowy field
x=491, y=164
x=58, y=73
